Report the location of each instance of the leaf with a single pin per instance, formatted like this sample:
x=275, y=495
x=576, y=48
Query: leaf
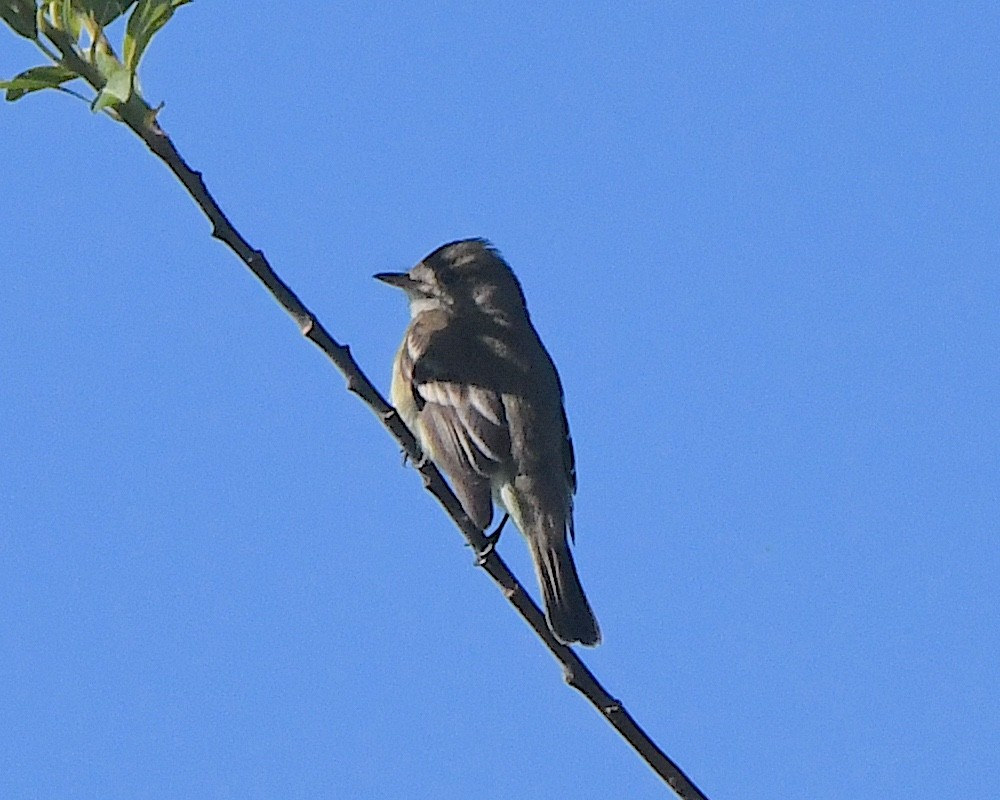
x=31, y=80
x=67, y=19
x=147, y=18
x=118, y=88
x=105, y=11
x=20, y=15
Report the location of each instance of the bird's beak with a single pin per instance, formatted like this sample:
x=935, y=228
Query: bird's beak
x=401, y=280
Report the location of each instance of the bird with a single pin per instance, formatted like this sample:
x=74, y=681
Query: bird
x=481, y=395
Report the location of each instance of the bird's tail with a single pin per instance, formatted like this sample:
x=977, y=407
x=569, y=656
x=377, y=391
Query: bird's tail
x=566, y=608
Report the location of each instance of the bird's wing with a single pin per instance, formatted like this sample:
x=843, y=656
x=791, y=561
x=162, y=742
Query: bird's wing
x=540, y=443
x=569, y=464
x=461, y=423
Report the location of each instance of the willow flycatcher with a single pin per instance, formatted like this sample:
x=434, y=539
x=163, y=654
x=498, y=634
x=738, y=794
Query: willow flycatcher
x=480, y=393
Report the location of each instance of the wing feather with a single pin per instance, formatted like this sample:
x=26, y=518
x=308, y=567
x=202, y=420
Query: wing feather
x=461, y=424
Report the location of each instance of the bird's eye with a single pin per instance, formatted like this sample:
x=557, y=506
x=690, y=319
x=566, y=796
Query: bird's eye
x=447, y=278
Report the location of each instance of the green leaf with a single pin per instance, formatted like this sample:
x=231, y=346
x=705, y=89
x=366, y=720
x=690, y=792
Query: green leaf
x=147, y=18
x=118, y=88
x=20, y=15
x=104, y=11
x=68, y=18
x=31, y=80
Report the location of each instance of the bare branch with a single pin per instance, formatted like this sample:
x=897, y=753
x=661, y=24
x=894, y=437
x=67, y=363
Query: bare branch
x=142, y=120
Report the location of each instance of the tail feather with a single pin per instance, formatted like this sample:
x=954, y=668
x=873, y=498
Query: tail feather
x=566, y=608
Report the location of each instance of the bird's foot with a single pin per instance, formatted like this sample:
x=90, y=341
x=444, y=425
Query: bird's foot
x=490, y=543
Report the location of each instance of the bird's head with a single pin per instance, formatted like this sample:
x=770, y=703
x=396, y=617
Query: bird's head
x=466, y=276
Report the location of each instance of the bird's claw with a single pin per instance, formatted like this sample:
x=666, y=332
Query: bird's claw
x=490, y=542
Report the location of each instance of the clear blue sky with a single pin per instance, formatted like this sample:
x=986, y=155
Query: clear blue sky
x=762, y=246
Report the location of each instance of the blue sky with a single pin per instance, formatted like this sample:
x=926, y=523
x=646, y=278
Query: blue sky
x=761, y=244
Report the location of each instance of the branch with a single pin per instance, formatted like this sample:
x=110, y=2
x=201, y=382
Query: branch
x=138, y=116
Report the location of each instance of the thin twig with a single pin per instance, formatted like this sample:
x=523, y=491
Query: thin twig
x=142, y=120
